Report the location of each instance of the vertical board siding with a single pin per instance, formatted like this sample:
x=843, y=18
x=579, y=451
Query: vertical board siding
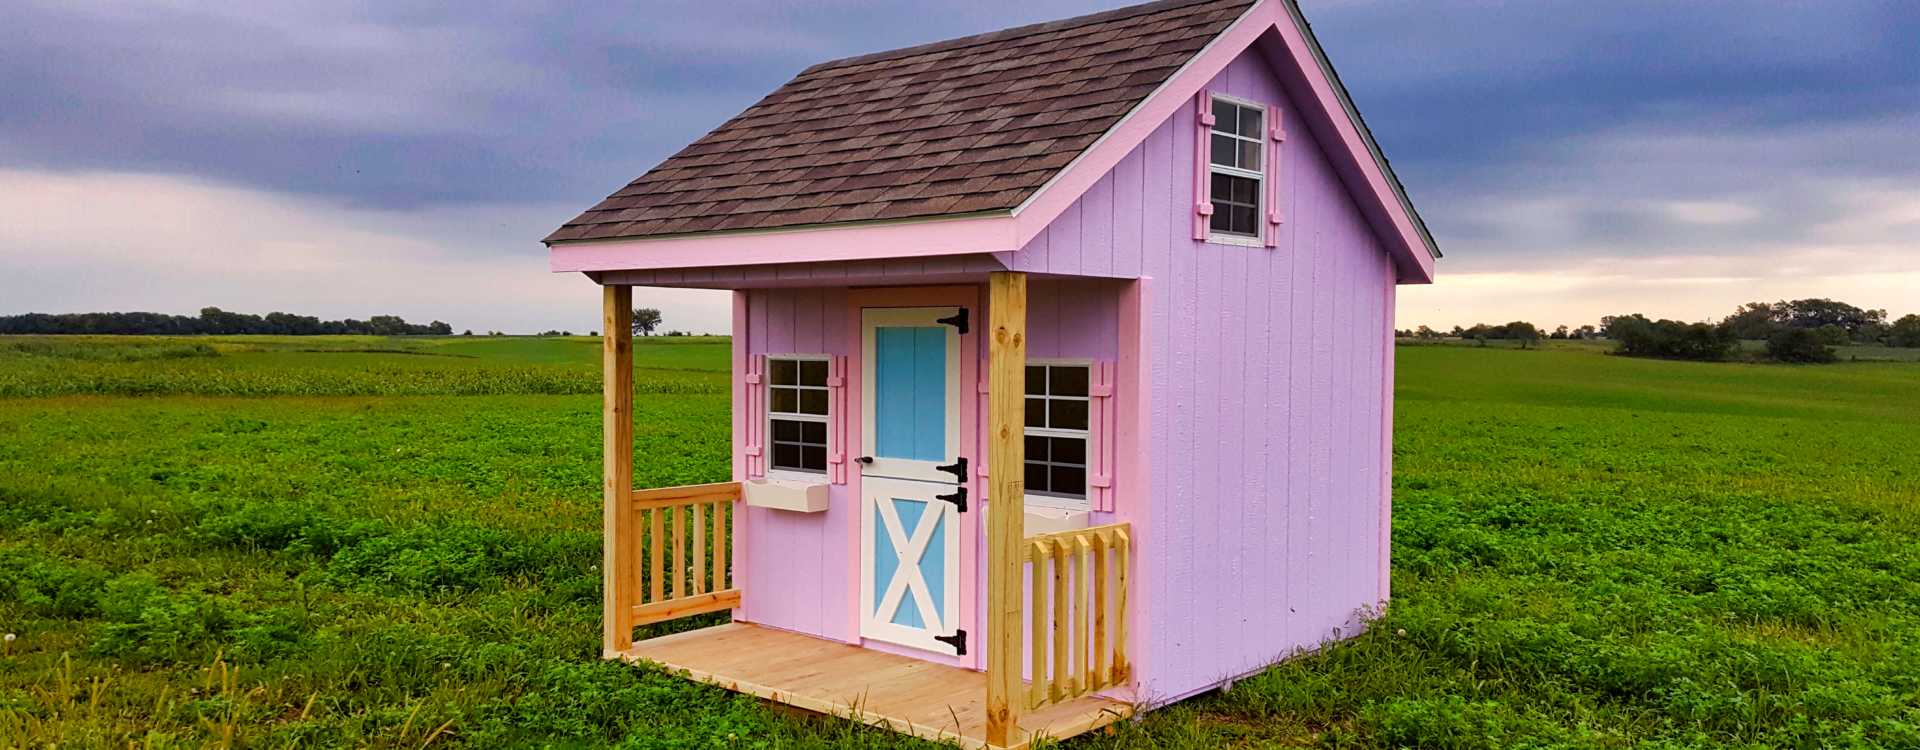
x=1073, y=319
x=796, y=565
x=1267, y=413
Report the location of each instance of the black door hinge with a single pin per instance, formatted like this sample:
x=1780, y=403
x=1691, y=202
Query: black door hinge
x=958, y=641
x=959, y=320
x=958, y=469
x=958, y=498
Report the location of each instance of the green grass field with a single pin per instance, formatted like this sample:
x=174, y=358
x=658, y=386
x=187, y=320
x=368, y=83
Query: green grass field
x=371, y=543
x=344, y=366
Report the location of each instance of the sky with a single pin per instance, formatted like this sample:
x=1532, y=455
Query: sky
x=345, y=159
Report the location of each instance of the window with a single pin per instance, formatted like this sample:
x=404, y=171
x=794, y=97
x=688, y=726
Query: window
x=1235, y=167
x=1057, y=430
x=797, y=407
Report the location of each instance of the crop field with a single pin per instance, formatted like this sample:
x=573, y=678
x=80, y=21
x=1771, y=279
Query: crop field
x=391, y=543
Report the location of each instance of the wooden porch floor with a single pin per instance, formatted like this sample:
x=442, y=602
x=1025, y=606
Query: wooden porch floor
x=929, y=700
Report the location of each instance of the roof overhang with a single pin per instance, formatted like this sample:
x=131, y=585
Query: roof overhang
x=1276, y=27
x=963, y=235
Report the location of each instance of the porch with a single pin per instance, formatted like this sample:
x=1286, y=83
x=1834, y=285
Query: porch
x=911, y=696
x=1054, y=607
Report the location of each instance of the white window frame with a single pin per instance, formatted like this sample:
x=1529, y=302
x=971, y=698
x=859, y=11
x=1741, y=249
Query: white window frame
x=826, y=419
x=1259, y=177
x=1064, y=502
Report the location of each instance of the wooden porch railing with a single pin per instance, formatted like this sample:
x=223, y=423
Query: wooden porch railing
x=1078, y=604
x=678, y=543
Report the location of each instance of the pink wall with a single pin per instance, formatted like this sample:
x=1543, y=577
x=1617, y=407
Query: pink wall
x=798, y=566
x=1268, y=417
x=1073, y=318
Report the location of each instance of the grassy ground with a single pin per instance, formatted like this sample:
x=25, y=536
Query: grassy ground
x=1590, y=551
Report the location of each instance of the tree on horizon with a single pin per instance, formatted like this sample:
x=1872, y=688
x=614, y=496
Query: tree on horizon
x=645, y=319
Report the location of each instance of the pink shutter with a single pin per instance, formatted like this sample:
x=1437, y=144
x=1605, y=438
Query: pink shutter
x=753, y=454
x=1276, y=135
x=1101, y=422
x=837, y=419
x=1202, y=189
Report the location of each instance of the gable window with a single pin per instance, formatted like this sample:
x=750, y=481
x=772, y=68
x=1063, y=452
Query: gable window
x=1234, y=168
x=797, y=409
x=1057, y=407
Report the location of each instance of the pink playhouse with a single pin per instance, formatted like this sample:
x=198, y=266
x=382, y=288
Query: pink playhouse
x=1062, y=380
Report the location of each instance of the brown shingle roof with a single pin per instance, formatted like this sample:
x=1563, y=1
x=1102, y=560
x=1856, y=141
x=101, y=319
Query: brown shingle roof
x=962, y=126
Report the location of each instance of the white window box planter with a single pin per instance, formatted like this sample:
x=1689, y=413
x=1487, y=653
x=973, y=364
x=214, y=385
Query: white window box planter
x=786, y=494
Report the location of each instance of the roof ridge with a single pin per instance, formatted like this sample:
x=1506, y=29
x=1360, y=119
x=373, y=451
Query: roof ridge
x=994, y=36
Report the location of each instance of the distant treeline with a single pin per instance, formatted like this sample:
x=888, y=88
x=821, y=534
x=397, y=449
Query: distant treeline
x=1804, y=330
x=213, y=321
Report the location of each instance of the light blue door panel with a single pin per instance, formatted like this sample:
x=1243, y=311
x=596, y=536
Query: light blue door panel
x=909, y=613
x=910, y=393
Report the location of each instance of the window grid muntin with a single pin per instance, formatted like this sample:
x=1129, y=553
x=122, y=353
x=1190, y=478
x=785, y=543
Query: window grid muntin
x=803, y=446
x=1052, y=436
x=1225, y=210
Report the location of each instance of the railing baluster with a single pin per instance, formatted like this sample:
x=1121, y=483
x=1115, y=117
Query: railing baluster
x=679, y=551
x=657, y=545
x=1101, y=585
x=637, y=557
x=1037, y=596
x=1122, y=549
x=1062, y=639
x=642, y=568
x=1081, y=678
x=722, y=531
x=700, y=548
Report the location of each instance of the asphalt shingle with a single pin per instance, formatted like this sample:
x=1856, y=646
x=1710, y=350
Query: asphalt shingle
x=962, y=126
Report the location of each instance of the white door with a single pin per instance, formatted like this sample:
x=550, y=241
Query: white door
x=912, y=477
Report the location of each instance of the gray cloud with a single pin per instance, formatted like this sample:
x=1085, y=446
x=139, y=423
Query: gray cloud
x=396, y=104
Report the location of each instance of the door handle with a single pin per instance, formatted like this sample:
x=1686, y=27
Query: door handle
x=865, y=459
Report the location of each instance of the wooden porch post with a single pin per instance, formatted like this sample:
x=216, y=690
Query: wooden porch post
x=616, y=559
x=1006, y=492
